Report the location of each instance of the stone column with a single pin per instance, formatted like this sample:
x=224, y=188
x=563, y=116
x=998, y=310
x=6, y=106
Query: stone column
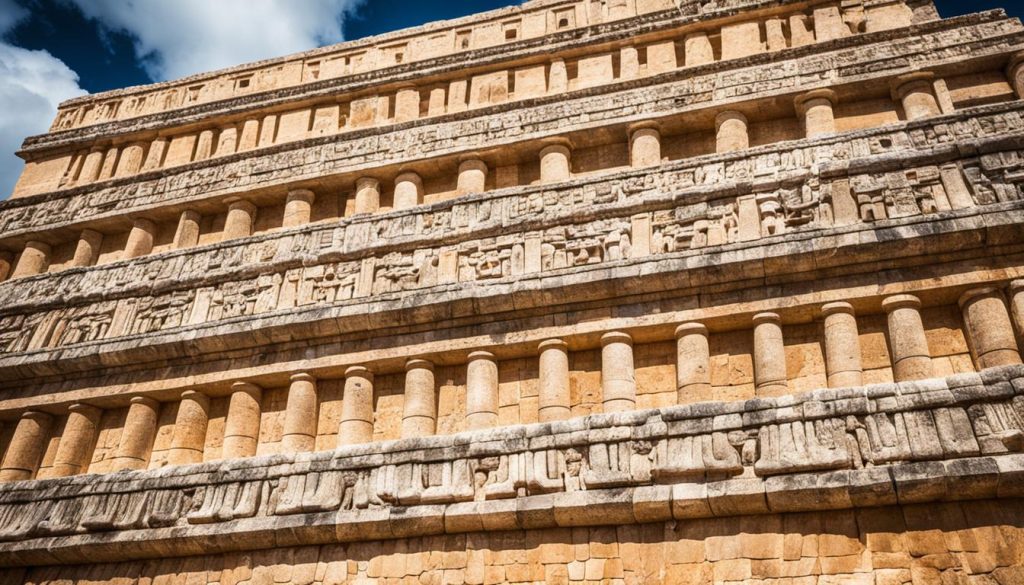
x=769, y=356
x=91, y=166
x=407, y=104
x=249, y=136
x=188, y=443
x=697, y=47
x=241, y=215
x=204, y=145
x=187, y=234
x=419, y=415
x=842, y=346
x=140, y=239
x=367, y=195
x=644, y=145
x=618, y=378
x=916, y=94
x=472, y=176
x=1015, y=73
x=131, y=159
x=301, y=415
x=558, y=77
x=155, y=156
x=957, y=191
x=35, y=259
x=731, y=131
x=242, y=426
x=693, y=363
x=227, y=140
x=817, y=110
x=911, y=359
x=988, y=328
x=408, y=190
x=1016, y=292
x=27, y=447
x=356, y=407
x=554, y=398
x=137, y=436
x=6, y=263
x=76, y=446
x=629, y=63
x=298, y=209
x=87, y=252
x=109, y=163
x=555, y=165
x=481, y=391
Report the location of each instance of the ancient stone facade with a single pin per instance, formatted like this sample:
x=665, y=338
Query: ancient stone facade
x=583, y=291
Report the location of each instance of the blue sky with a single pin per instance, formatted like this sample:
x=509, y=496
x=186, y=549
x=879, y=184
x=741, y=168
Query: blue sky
x=53, y=50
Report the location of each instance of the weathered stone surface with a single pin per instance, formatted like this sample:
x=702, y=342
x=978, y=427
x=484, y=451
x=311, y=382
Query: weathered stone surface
x=630, y=291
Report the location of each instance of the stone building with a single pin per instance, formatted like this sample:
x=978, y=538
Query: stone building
x=588, y=291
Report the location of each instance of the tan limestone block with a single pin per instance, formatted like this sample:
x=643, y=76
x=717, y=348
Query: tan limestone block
x=731, y=132
x=407, y=104
x=250, y=135
x=240, y=220
x=34, y=259
x=741, y=40
x=817, y=108
x=828, y=23
x=227, y=141
x=190, y=427
x=555, y=165
x=698, y=50
x=298, y=209
x=408, y=191
x=917, y=95
x=911, y=357
x=204, y=145
x=242, y=424
x=842, y=346
x=357, y=407
x=618, y=375
x=644, y=146
x=693, y=362
x=130, y=162
x=187, y=233
x=138, y=435
x=140, y=239
x=87, y=252
x=367, y=195
x=25, y=451
x=301, y=415
x=769, y=356
x=554, y=394
x=472, y=176
x=91, y=166
x=481, y=391
x=77, y=442
x=988, y=327
x=419, y=415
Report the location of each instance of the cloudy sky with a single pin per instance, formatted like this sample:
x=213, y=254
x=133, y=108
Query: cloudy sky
x=53, y=50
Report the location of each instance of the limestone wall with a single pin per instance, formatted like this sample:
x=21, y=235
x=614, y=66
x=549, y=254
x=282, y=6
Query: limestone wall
x=919, y=544
x=617, y=291
x=946, y=439
x=511, y=30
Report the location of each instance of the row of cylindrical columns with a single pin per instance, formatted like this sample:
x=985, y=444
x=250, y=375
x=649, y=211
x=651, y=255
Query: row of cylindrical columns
x=992, y=325
x=916, y=93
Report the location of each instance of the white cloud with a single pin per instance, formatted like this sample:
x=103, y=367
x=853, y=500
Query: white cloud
x=32, y=84
x=177, y=38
